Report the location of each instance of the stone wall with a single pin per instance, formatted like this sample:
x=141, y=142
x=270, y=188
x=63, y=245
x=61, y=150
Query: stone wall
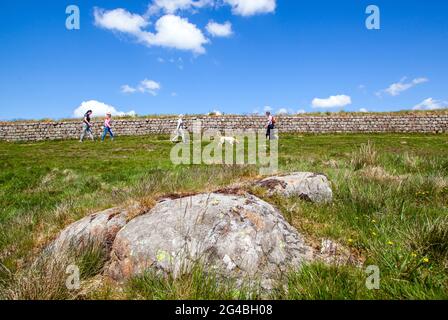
x=404, y=123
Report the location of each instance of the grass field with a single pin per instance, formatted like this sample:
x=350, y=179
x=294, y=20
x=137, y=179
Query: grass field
x=390, y=207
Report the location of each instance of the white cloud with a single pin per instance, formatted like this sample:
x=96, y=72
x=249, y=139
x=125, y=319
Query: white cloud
x=332, y=102
x=170, y=31
x=172, y=6
x=119, y=20
x=301, y=111
x=216, y=113
x=239, y=7
x=282, y=111
x=219, y=30
x=364, y=110
x=149, y=86
x=99, y=109
x=396, y=88
x=251, y=7
x=145, y=86
x=175, y=32
x=431, y=104
x=128, y=89
x=267, y=109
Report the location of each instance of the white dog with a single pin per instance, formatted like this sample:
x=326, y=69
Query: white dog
x=230, y=140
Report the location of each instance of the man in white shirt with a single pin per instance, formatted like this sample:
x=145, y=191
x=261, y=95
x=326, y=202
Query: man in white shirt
x=179, y=130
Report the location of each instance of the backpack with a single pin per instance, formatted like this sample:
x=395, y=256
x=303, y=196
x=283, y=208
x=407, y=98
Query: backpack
x=274, y=121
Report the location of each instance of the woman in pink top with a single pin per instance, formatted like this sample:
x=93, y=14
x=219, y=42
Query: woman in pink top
x=108, y=127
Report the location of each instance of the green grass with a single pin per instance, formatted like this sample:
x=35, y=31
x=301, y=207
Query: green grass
x=195, y=285
x=390, y=207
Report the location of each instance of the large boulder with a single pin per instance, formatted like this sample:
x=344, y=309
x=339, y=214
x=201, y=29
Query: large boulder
x=237, y=236
x=98, y=229
x=309, y=186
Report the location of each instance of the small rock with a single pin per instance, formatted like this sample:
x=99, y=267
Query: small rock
x=306, y=185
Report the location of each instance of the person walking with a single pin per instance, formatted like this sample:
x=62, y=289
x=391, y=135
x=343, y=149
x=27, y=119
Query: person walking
x=179, y=133
x=108, y=127
x=87, y=126
x=270, y=125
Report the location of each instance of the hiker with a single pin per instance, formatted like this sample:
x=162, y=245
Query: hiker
x=270, y=125
x=108, y=127
x=179, y=130
x=87, y=126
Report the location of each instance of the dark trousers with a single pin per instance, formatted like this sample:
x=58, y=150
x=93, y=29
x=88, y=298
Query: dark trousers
x=268, y=131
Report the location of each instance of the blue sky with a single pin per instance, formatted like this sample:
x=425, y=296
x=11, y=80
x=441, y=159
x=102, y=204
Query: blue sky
x=291, y=55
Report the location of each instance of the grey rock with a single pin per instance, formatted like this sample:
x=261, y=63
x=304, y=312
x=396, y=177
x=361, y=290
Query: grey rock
x=240, y=237
x=306, y=185
x=97, y=229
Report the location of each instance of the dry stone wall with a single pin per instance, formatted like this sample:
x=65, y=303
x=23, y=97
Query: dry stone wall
x=400, y=123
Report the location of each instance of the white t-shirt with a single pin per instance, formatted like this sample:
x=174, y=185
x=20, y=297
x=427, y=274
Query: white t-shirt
x=180, y=123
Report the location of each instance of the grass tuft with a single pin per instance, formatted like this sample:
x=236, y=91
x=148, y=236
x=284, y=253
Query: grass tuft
x=45, y=278
x=365, y=156
x=197, y=284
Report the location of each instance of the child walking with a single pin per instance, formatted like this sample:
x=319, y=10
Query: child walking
x=108, y=127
